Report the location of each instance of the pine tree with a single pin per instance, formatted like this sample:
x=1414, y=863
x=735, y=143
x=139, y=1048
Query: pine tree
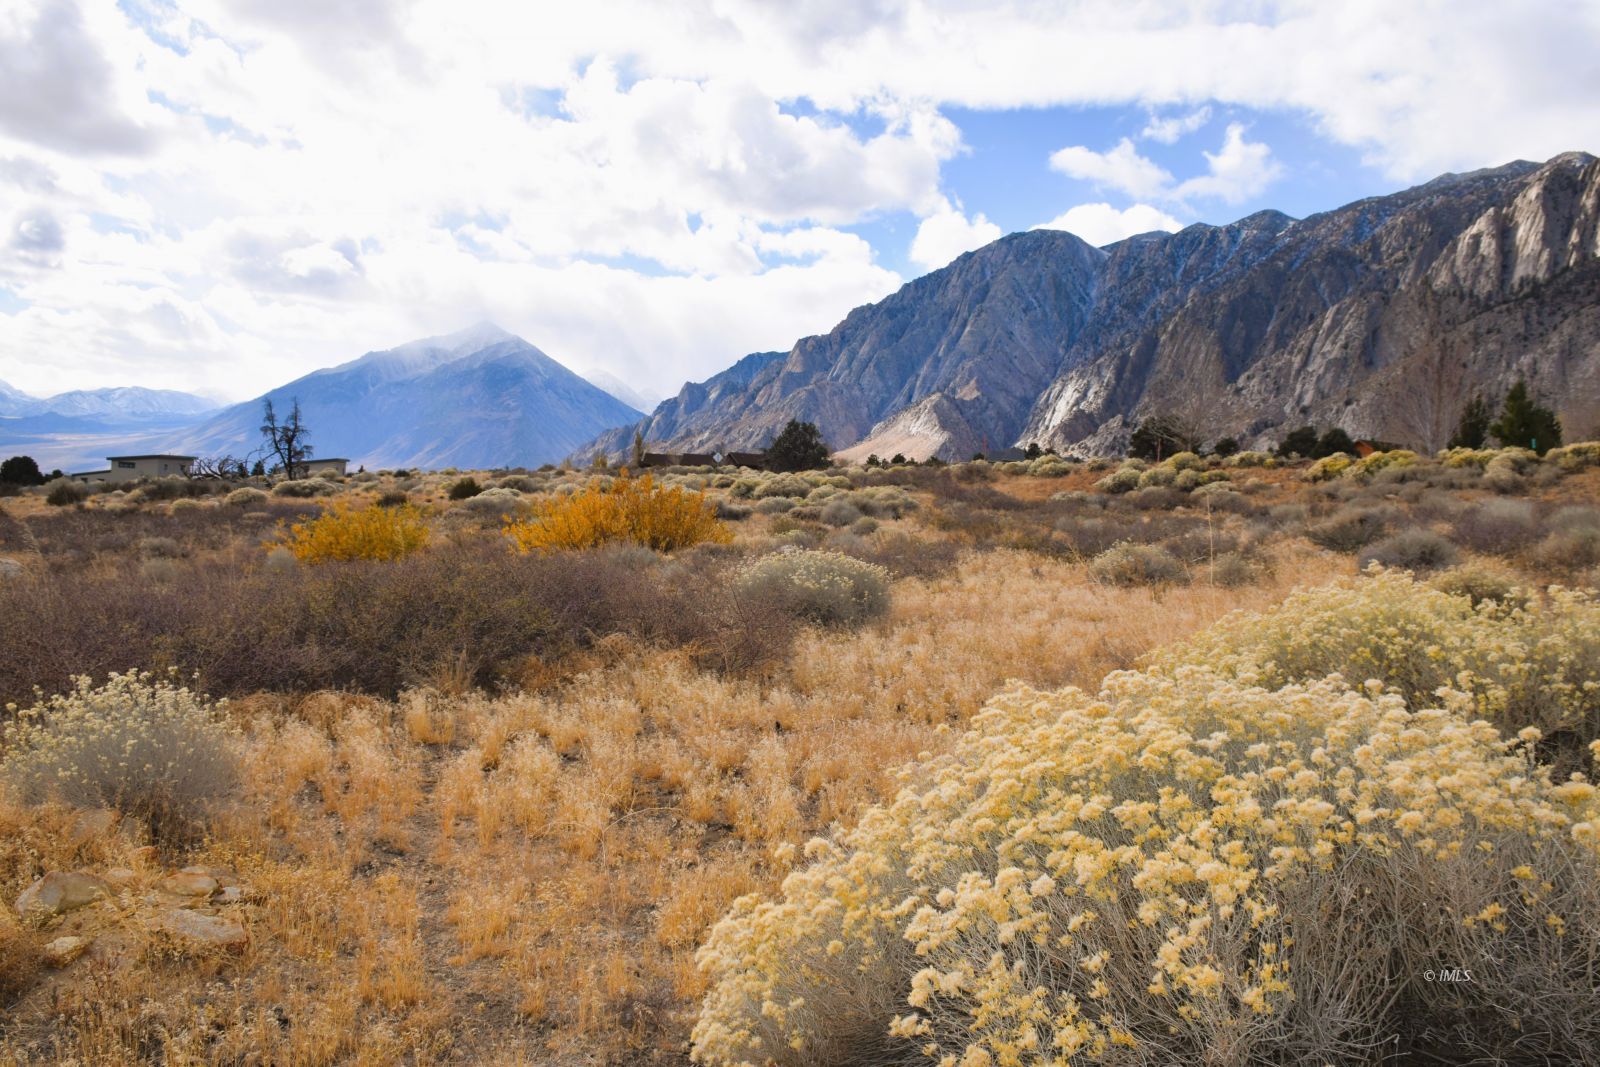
x=1525, y=424
x=1299, y=442
x=798, y=447
x=1473, y=429
x=1332, y=441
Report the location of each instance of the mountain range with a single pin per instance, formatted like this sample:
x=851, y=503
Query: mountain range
x=1380, y=317
x=80, y=428
x=120, y=404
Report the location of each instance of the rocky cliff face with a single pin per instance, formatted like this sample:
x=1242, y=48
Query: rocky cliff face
x=1380, y=316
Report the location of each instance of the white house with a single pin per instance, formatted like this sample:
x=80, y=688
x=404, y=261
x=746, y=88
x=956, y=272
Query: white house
x=133, y=468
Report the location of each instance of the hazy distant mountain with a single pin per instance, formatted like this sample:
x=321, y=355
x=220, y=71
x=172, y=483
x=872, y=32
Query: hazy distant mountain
x=129, y=402
x=13, y=400
x=478, y=398
x=630, y=395
x=78, y=429
x=1378, y=316
x=108, y=405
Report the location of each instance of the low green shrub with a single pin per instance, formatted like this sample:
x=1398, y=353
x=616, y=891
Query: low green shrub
x=1352, y=528
x=64, y=492
x=305, y=488
x=1415, y=549
x=246, y=498
x=840, y=512
x=1121, y=480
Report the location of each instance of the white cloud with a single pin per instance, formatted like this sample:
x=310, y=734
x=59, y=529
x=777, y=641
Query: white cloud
x=1102, y=224
x=948, y=233
x=1168, y=129
x=1122, y=168
x=1239, y=170
x=224, y=193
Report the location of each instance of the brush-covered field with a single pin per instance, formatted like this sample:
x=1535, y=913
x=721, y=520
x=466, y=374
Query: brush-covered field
x=1230, y=762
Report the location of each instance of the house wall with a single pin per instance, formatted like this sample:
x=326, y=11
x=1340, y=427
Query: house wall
x=131, y=470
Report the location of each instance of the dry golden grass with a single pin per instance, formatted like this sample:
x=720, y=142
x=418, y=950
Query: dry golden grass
x=526, y=877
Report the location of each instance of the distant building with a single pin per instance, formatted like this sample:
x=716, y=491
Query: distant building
x=324, y=465
x=133, y=468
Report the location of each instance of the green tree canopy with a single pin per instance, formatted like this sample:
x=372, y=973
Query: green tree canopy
x=798, y=447
x=21, y=470
x=1525, y=424
x=1333, y=441
x=1299, y=442
x=1473, y=429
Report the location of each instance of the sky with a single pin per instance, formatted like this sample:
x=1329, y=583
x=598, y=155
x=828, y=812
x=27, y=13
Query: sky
x=222, y=195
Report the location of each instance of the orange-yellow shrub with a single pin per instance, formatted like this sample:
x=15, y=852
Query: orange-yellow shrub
x=629, y=509
x=346, y=533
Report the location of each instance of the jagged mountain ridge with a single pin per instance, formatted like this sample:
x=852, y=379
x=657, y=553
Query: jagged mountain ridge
x=1346, y=317
x=479, y=398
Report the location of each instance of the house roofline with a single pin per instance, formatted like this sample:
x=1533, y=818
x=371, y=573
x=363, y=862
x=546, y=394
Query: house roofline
x=157, y=455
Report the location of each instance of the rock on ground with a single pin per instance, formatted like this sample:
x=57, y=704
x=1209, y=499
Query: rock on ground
x=59, y=892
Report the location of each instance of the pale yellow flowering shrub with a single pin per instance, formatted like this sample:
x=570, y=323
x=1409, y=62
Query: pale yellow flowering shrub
x=1225, y=858
x=1529, y=662
x=142, y=745
x=1329, y=467
x=1467, y=457
x=1367, y=466
x=1576, y=456
x=828, y=588
x=1180, y=868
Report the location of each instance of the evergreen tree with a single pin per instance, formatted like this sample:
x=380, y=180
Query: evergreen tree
x=638, y=450
x=798, y=447
x=21, y=470
x=1473, y=429
x=1525, y=424
x=1334, y=440
x=1299, y=442
x=1226, y=447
